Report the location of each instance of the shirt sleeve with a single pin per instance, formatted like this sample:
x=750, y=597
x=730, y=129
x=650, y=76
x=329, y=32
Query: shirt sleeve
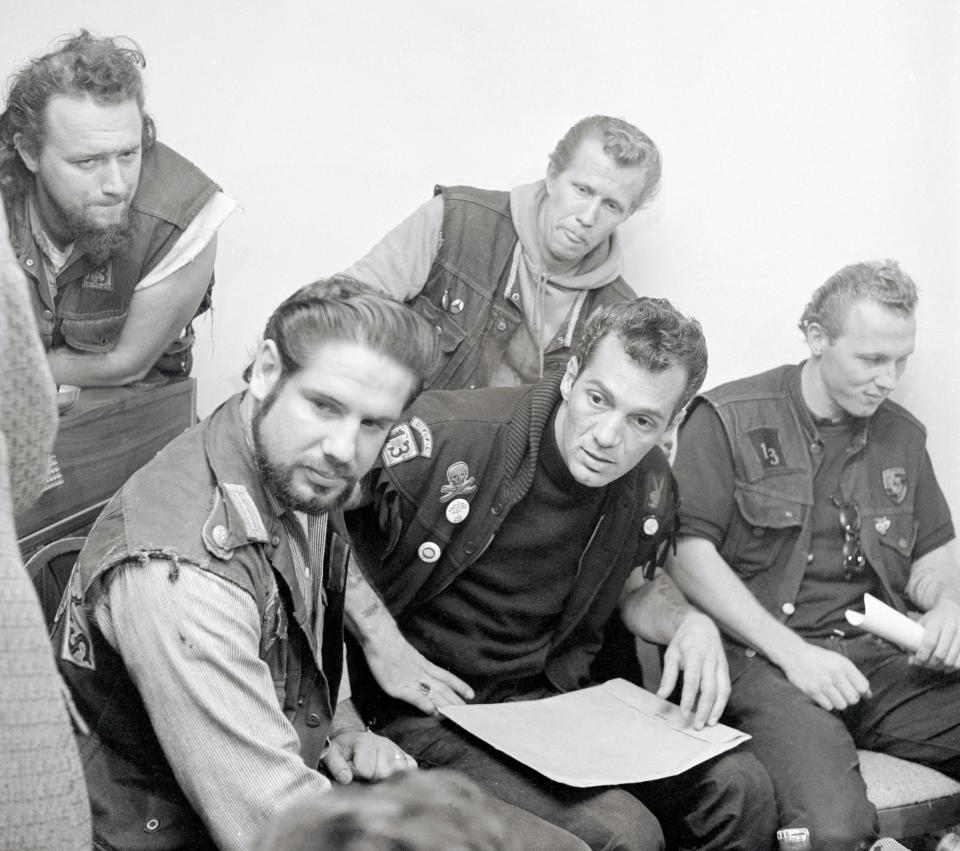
x=192, y=241
x=399, y=264
x=704, y=472
x=191, y=646
x=931, y=511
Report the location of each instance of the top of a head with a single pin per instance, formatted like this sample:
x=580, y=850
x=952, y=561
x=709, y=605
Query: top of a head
x=104, y=69
x=345, y=309
x=880, y=281
x=625, y=144
x=654, y=334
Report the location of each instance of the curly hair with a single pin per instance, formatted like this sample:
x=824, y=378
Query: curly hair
x=104, y=69
x=628, y=146
x=880, y=281
x=654, y=334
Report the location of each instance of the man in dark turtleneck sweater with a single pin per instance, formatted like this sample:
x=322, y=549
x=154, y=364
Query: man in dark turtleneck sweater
x=504, y=527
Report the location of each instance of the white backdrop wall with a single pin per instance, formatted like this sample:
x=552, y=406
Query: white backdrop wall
x=798, y=135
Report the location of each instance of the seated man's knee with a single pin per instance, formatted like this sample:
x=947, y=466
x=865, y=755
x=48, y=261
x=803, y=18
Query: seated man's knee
x=616, y=821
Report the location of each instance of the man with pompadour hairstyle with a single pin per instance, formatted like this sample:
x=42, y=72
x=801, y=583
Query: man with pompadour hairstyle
x=508, y=278
x=806, y=488
x=506, y=525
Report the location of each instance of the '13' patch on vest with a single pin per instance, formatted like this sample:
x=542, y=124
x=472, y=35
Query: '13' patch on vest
x=400, y=446
x=99, y=279
x=766, y=445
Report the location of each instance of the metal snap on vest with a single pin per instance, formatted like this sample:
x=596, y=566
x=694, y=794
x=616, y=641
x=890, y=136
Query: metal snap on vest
x=313, y=720
x=220, y=535
x=275, y=540
x=152, y=825
x=749, y=652
x=788, y=608
x=29, y=261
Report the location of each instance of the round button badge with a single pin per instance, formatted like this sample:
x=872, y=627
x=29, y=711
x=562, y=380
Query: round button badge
x=429, y=552
x=458, y=510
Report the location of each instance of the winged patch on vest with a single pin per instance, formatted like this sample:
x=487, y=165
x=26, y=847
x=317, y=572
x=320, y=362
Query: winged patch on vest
x=895, y=483
x=77, y=646
x=100, y=278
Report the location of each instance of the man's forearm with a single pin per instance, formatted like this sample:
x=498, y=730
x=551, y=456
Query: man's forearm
x=654, y=610
x=366, y=615
x=936, y=576
x=707, y=580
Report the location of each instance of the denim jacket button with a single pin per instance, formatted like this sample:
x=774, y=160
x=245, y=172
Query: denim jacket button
x=501, y=324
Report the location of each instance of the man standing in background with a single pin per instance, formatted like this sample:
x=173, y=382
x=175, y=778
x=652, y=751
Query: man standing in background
x=508, y=278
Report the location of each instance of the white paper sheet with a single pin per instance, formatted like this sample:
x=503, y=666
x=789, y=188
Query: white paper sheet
x=888, y=623
x=609, y=734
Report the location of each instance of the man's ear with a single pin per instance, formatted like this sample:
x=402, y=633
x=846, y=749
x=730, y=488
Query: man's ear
x=551, y=179
x=30, y=160
x=266, y=371
x=816, y=338
x=569, y=376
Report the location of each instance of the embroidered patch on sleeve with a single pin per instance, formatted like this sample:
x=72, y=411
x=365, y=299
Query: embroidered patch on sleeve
x=400, y=446
x=766, y=445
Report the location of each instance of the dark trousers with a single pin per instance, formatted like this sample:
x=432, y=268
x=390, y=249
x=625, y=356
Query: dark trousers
x=724, y=804
x=811, y=754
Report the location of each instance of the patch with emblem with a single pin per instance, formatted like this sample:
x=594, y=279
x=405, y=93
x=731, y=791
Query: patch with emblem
x=458, y=510
x=240, y=501
x=98, y=279
x=459, y=481
x=881, y=524
x=656, y=491
x=428, y=552
x=766, y=446
x=400, y=446
x=425, y=435
x=77, y=646
x=895, y=483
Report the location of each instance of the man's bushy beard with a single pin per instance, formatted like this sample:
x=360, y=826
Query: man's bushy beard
x=278, y=478
x=98, y=243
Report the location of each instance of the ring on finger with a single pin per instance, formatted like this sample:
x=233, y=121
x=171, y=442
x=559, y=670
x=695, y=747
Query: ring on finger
x=423, y=688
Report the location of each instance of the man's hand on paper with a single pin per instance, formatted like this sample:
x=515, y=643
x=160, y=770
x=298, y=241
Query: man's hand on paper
x=826, y=677
x=406, y=674
x=940, y=649
x=696, y=650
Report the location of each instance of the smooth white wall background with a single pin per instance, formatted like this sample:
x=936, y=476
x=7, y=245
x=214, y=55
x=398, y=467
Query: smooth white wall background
x=797, y=135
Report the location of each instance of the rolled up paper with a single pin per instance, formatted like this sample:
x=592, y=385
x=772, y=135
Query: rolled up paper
x=886, y=622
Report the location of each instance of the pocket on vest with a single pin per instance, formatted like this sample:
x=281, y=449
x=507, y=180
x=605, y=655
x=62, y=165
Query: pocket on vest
x=765, y=525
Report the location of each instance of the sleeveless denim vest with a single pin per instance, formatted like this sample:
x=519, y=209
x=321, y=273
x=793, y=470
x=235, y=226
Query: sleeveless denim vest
x=774, y=439
x=136, y=800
